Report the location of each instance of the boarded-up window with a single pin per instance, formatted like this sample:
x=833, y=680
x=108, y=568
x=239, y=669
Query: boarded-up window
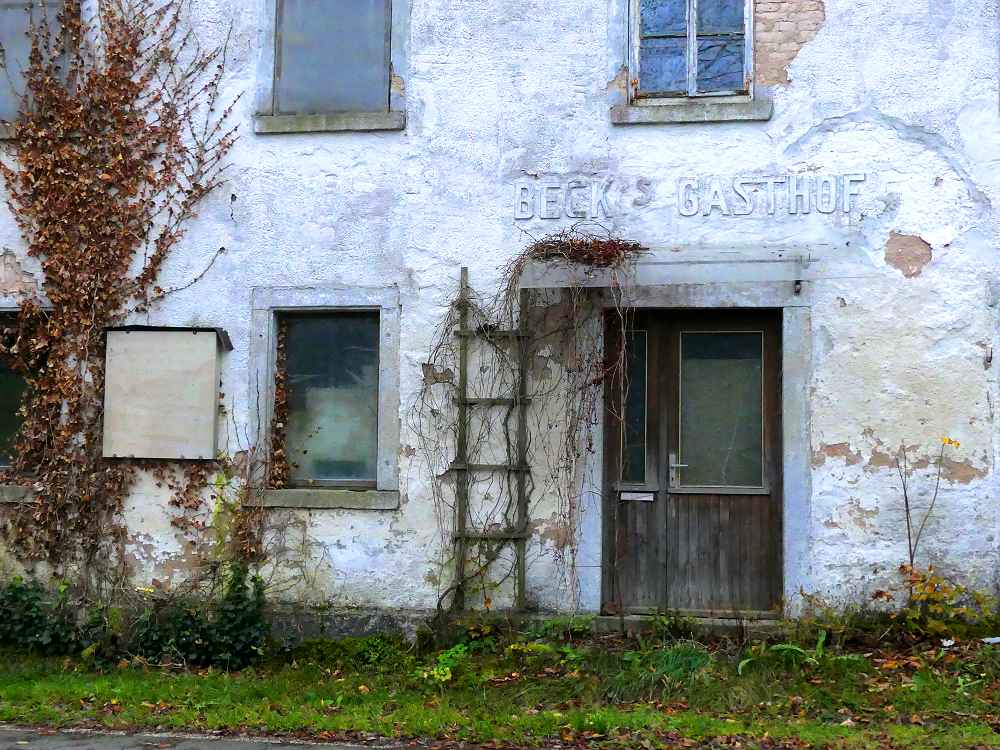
x=332, y=56
x=332, y=364
x=15, y=44
x=16, y=20
x=693, y=47
x=161, y=393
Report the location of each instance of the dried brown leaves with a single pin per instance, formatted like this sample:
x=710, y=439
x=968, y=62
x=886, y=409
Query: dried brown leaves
x=119, y=138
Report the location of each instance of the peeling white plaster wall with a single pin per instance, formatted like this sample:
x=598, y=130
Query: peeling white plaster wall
x=905, y=91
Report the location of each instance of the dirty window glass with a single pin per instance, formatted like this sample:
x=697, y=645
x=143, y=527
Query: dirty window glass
x=720, y=16
x=663, y=46
x=710, y=34
x=721, y=410
x=332, y=56
x=332, y=365
x=720, y=64
x=664, y=17
x=12, y=388
x=634, y=453
x=663, y=63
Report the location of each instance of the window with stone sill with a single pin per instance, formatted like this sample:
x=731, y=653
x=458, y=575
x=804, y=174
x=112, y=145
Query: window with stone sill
x=326, y=361
x=330, y=65
x=692, y=48
x=331, y=366
x=690, y=61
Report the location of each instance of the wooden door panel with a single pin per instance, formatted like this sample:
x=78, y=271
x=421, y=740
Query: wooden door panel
x=720, y=553
x=642, y=552
x=735, y=538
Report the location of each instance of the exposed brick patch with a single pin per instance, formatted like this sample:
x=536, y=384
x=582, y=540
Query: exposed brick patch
x=836, y=450
x=907, y=254
x=781, y=28
x=13, y=278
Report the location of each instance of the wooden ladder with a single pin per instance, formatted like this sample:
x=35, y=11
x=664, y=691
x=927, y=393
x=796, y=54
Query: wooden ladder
x=464, y=467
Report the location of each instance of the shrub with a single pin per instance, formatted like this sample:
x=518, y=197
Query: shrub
x=35, y=620
x=228, y=633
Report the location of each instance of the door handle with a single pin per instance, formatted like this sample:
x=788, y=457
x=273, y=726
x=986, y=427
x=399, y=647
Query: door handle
x=673, y=466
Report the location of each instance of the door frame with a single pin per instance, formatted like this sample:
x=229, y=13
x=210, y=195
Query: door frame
x=794, y=304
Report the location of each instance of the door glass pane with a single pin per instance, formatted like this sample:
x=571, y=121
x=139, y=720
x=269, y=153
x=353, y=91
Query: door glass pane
x=332, y=364
x=333, y=56
x=720, y=64
x=721, y=420
x=634, y=454
x=663, y=17
x=663, y=65
x=720, y=16
x=12, y=388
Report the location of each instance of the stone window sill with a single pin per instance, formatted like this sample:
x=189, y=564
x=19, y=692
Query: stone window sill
x=15, y=494
x=687, y=111
x=329, y=123
x=331, y=499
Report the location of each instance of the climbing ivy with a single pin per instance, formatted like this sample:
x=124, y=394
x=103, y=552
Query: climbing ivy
x=120, y=137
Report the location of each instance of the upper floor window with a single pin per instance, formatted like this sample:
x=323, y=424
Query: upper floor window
x=332, y=56
x=332, y=65
x=17, y=19
x=692, y=48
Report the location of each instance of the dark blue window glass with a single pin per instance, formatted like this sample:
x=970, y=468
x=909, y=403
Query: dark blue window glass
x=663, y=65
x=720, y=64
x=720, y=16
x=660, y=17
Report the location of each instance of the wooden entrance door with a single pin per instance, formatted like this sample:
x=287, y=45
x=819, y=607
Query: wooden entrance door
x=692, y=508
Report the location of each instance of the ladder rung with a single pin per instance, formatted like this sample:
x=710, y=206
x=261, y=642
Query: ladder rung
x=494, y=401
x=488, y=467
x=495, y=536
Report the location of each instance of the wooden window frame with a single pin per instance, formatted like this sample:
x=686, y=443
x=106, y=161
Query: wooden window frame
x=692, y=93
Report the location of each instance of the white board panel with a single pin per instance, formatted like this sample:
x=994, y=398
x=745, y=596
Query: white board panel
x=161, y=394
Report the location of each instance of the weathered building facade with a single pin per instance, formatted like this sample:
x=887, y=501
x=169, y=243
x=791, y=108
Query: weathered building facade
x=815, y=181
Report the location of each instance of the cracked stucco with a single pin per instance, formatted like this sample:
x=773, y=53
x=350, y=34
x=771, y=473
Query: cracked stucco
x=905, y=92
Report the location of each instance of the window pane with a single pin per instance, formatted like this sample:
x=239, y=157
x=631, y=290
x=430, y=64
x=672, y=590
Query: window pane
x=15, y=45
x=634, y=453
x=332, y=363
x=720, y=16
x=721, y=412
x=333, y=56
x=663, y=17
x=12, y=387
x=663, y=66
x=720, y=64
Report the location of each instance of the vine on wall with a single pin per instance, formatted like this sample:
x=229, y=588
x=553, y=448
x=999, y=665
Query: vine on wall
x=121, y=136
x=564, y=336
